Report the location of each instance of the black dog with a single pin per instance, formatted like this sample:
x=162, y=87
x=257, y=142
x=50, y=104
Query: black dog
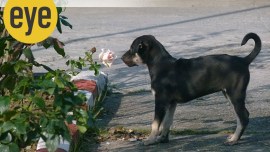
x=178, y=81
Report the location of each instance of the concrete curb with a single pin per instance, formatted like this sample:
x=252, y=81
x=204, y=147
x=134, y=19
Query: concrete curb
x=90, y=85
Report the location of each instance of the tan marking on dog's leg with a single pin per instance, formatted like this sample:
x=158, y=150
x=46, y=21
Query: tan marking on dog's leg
x=167, y=122
x=153, y=135
x=153, y=92
x=232, y=139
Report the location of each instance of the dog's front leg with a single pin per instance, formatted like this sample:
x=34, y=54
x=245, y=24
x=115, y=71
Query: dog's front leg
x=164, y=128
x=160, y=110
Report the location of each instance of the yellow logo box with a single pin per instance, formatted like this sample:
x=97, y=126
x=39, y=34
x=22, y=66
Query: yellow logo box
x=30, y=21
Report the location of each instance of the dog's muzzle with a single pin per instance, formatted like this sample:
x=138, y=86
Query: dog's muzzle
x=127, y=58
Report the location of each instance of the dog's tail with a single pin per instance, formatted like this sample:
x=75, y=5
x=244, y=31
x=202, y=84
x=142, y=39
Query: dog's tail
x=257, y=48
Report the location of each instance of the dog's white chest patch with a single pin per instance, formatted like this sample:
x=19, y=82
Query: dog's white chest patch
x=153, y=92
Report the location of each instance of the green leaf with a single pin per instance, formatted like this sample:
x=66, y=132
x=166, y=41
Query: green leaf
x=7, y=68
x=47, y=83
x=58, y=26
x=47, y=42
x=10, y=38
x=4, y=148
x=46, y=45
x=82, y=129
x=79, y=65
x=83, y=113
x=59, y=83
x=3, y=40
x=11, y=114
x=59, y=47
x=50, y=128
x=52, y=143
x=58, y=100
x=13, y=147
x=96, y=72
x=28, y=54
x=66, y=108
x=21, y=87
x=66, y=135
x=68, y=62
x=17, y=67
x=68, y=99
x=79, y=99
x=8, y=83
x=18, y=96
x=4, y=104
x=39, y=102
x=20, y=127
x=59, y=10
x=7, y=126
x=60, y=124
x=32, y=135
x=21, y=65
x=82, y=120
x=64, y=17
x=69, y=119
x=95, y=67
x=5, y=138
x=2, y=49
x=51, y=91
x=43, y=121
x=66, y=23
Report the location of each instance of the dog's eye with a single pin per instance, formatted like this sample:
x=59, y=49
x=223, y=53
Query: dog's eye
x=140, y=46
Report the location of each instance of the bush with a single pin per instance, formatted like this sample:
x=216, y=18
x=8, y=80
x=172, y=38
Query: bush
x=36, y=106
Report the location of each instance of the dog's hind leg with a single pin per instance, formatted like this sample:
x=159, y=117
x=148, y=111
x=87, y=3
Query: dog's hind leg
x=242, y=115
x=164, y=128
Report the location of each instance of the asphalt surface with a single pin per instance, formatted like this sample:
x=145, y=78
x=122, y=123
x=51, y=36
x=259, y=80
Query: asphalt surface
x=190, y=30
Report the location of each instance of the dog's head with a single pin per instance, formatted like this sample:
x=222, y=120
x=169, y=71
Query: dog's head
x=140, y=51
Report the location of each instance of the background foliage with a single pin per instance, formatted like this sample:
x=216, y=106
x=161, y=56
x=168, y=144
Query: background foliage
x=34, y=106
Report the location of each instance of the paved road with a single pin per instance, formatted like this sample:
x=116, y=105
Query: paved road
x=190, y=30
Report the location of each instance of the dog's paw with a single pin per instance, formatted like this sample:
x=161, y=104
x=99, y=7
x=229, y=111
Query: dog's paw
x=162, y=139
x=230, y=143
x=159, y=139
x=149, y=142
x=229, y=137
x=231, y=140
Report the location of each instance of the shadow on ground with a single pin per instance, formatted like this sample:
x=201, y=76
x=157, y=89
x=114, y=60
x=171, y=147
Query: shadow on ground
x=110, y=109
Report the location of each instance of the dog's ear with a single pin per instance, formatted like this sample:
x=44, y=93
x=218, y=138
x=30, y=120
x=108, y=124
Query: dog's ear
x=142, y=44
